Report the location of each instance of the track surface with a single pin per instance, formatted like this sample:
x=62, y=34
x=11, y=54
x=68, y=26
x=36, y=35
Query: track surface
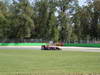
x=82, y=49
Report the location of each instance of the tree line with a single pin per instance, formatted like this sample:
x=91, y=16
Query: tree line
x=57, y=20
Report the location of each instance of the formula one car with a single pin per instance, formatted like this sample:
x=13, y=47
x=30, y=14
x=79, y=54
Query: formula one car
x=43, y=47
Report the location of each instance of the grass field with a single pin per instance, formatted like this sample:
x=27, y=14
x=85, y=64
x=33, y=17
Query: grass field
x=35, y=62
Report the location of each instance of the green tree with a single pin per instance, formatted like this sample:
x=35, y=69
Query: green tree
x=40, y=18
x=65, y=10
x=22, y=24
x=95, y=19
x=4, y=22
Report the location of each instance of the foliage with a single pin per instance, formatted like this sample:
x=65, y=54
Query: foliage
x=57, y=20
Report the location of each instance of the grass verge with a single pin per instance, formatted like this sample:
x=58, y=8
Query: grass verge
x=32, y=62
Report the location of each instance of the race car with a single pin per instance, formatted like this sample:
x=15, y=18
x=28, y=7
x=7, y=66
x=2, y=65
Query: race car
x=44, y=47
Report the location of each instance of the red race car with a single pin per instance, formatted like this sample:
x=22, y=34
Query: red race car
x=43, y=47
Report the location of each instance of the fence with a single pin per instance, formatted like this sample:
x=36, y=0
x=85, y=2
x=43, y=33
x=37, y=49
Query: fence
x=39, y=42
x=22, y=44
x=82, y=45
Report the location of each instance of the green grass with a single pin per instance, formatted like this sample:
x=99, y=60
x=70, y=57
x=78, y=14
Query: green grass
x=24, y=62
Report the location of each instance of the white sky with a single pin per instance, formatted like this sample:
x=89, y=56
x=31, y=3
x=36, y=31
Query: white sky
x=82, y=2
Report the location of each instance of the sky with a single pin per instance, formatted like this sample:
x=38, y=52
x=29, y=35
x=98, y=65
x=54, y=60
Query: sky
x=82, y=2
